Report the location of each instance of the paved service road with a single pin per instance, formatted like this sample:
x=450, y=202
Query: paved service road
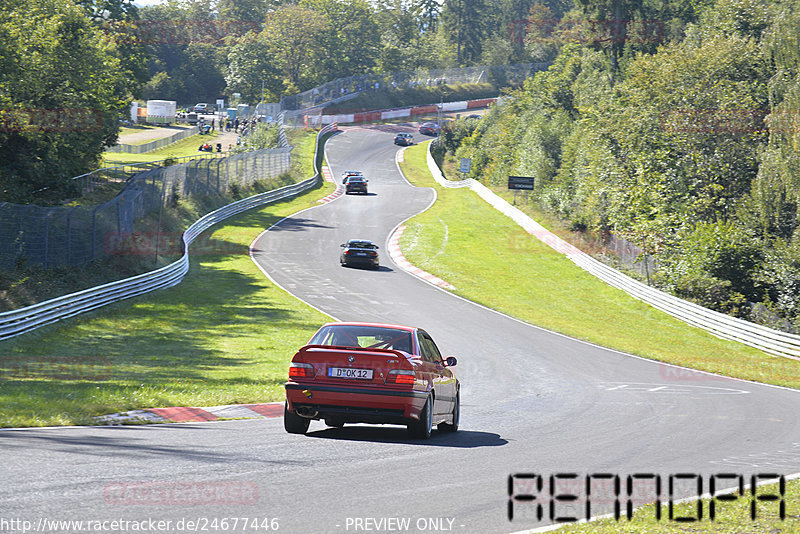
x=532, y=401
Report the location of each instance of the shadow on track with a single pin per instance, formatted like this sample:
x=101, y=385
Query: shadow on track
x=296, y=224
x=463, y=439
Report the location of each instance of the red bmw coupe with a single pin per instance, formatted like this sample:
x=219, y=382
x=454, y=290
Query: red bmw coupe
x=372, y=373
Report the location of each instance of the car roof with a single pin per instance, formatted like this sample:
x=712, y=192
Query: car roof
x=381, y=325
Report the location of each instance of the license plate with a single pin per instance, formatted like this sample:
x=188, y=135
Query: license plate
x=361, y=253
x=349, y=372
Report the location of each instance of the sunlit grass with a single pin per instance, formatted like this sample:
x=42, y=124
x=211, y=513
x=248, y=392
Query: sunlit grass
x=224, y=335
x=183, y=148
x=491, y=260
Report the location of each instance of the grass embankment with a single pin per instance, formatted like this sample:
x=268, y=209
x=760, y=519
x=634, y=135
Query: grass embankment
x=128, y=130
x=493, y=261
x=406, y=97
x=28, y=284
x=224, y=335
x=167, y=132
x=181, y=149
x=730, y=517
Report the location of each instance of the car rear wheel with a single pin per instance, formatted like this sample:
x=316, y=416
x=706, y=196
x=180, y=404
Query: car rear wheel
x=452, y=427
x=293, y=423
x=422, y=428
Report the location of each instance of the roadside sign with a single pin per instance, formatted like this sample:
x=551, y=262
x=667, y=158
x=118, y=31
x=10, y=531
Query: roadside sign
x=466, y=165
x=521, y=182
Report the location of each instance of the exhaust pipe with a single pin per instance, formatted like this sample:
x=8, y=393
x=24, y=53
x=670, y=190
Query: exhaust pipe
x=304, y=411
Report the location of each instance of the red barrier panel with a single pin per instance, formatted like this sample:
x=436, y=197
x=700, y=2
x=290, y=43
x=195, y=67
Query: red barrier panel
x=474, y=104
x=423, y=110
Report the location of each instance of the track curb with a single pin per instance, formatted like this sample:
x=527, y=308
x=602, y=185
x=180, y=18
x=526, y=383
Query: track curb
x=189, y=414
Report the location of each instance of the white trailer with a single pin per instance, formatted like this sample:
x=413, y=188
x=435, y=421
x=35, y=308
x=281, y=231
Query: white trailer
x=160, y=111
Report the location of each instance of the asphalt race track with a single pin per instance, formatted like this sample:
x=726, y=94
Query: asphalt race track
x=532, y=402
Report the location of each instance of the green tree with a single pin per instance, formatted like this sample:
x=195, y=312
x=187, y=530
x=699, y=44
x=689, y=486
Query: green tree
x=294, y=36
x=351, y=43
x=62, y=92
x=465, y=25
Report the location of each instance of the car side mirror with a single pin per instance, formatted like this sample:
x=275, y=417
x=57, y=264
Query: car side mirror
x=377, y=247
x=343, y=245
x=451, y=361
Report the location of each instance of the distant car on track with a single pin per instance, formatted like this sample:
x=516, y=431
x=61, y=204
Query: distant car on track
x=359, y=252
x=372, y=373
x=405, y=139
x=430, y=128
x=202, y=107
x=355, y=184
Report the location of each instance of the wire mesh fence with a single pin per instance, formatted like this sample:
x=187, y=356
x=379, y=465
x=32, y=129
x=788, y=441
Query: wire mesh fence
x=75, y=235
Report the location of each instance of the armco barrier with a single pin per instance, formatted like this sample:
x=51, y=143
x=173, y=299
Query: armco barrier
x=386, y=114
x=721, y=325
x=16, y=322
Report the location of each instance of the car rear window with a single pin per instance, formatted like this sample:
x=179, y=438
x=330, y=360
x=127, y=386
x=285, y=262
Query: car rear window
x=361, y=244
x=354, y=179
x=375, y=337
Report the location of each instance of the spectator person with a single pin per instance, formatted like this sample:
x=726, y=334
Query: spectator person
x=236, y=124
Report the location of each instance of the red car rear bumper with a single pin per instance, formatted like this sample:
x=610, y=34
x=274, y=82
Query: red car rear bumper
x=356, y=404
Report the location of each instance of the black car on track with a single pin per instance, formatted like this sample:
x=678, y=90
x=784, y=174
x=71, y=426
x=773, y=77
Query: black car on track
x=355, y=184
x=359, y=252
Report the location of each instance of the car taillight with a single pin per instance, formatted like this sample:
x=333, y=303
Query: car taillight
x=347, y=252
x=400, y=376
x=301, y=370
x=373, y=254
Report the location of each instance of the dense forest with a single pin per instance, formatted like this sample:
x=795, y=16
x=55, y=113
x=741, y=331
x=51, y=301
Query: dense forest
x=676, y=126
x=69, y=68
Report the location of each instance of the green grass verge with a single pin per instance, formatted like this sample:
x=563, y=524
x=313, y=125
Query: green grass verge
x=183, y=148
x=224, y=335
x=730, y=517
x=493, y=261
x=127, y=130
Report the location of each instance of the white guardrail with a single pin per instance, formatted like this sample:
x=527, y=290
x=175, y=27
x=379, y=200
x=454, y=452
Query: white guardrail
x=724, y=326
x=16, y=322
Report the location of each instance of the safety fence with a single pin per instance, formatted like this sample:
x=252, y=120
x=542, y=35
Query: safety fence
x=155, y=144
x=17, y=322
x=64, y=236
x=391, y=114
x=500, y=75
x=721, y=325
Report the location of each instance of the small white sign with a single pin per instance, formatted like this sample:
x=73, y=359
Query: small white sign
x=466, y=165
